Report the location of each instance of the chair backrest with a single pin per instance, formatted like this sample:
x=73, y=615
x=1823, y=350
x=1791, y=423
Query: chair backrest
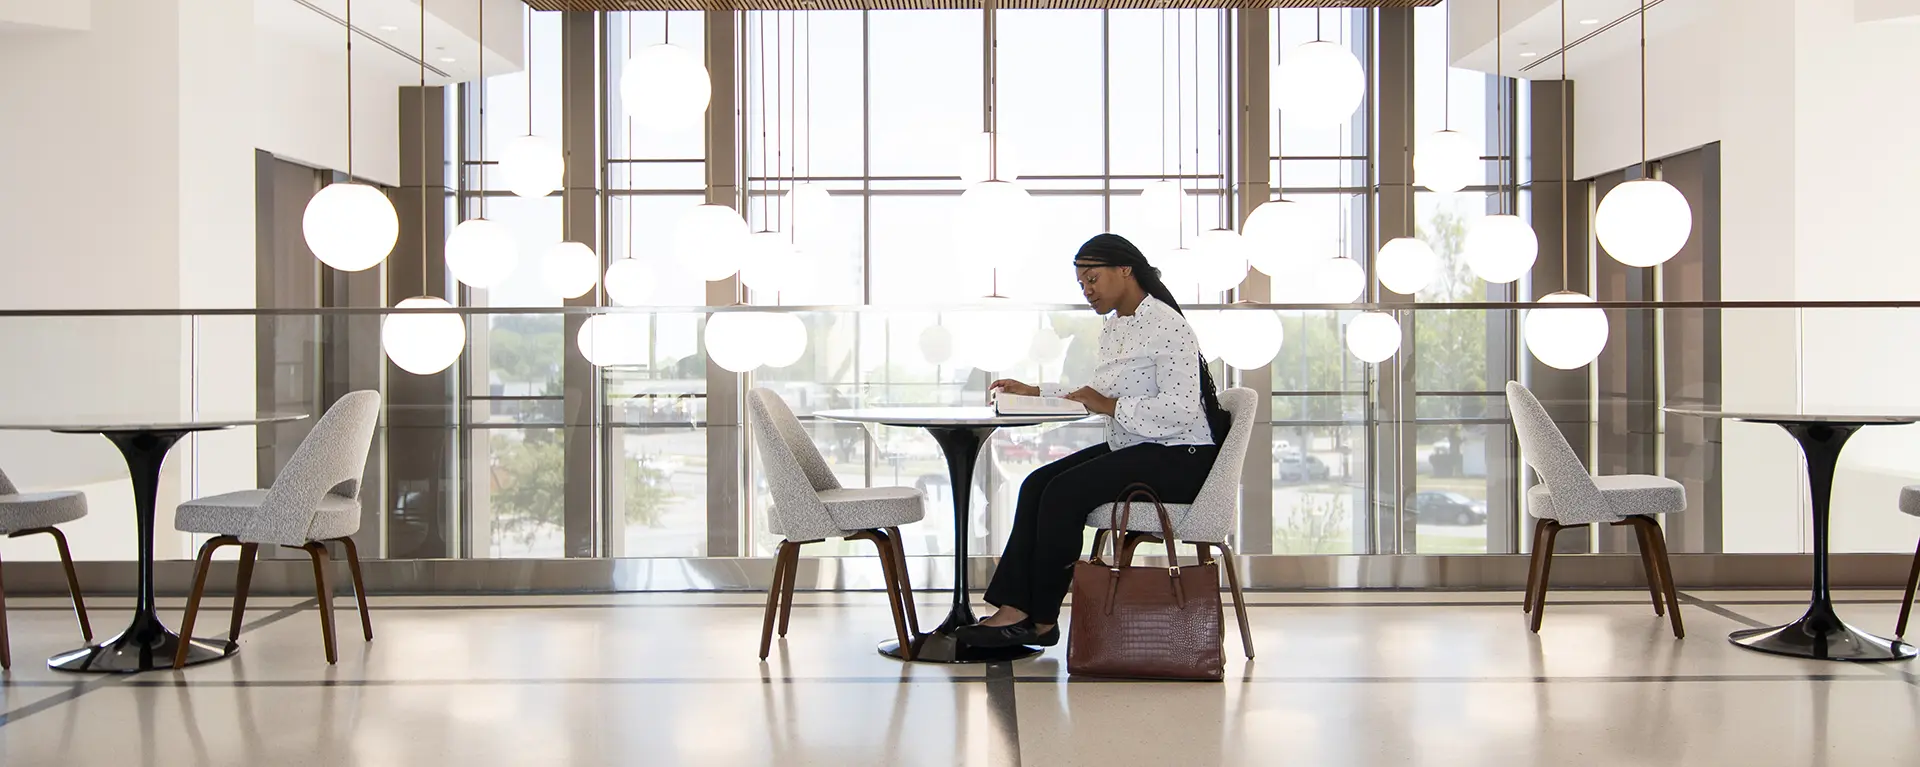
x=796, y=472
x=1215, y=511
x=1575, y=498
x=330, y=461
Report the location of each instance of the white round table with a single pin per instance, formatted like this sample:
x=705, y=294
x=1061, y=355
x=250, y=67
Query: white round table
x=143, y=442
x=961, y=431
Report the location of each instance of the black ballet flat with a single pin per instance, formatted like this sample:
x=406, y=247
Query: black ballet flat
x=1022, y=633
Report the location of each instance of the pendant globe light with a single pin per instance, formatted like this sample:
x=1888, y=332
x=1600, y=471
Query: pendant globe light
x=786, y=339
x=1339, y=281
x=611, y=340
x=1250, y=337
x=1565, y=338
x=1407, y=265
x=1500, y=248
x=936, y=344
x=1645, y=221
x=628, y=281
x=571, y=269
x=1446, y=161
x=1321, y=82
x=423, y=343
x=350, y=226
x=732, y=340
x=532, y=165
x=984, y=340
x=1273, y=233
x=1373, y=336
x=666, y=87
x=710, y=240
x=481, y=253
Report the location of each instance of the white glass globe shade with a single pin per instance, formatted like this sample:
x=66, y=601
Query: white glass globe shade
x=629, y=282
x=571, y=269
x=1320, y=83
x=423, y=344
x=1223, y=260
x=776, y=269
x=1407, y=265
x=1643, y=222
x=936, y=344
x=1180, y=270
x=1447, y=161
x=710, y=240
x=994, y=225
x=731, y=340
x=1339, y=281
x=1500, y=249
x=607, y=340
x=1251, y=337
x=1276, y=236
x=350, y=226
x=984, y=340
x=481, y=252
x=810, y=217
x=976, y=153
x=1566, y=338
x=666, y=87
x=1206, y=330
x=532, y=166
x=785, y=339
x=1373, y=336
x=1154, y=223
x=1047, y=347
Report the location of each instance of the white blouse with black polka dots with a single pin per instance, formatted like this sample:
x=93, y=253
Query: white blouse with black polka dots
x=1150, y=363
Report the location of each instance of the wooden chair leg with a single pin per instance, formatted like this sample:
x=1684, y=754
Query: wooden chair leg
x=1533, y=563
x=889, y=573
x=1128, y=544
x=200, y=566
x=1659, y=538
x=6, y=652
x=323, y=589
x=1639, y=525
x=1099, y=538
x=73, y=580
x=1906, y=605
x=906, y=581
x=359, y=585
x=1239, y=599
x=242, y=583
x=1546, y=569
x=786, y=587
x=773, y=597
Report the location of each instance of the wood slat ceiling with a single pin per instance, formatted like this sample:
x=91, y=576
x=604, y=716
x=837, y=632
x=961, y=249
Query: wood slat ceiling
x=929, y=5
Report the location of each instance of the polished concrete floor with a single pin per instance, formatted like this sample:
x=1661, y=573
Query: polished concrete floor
x=1418, y=678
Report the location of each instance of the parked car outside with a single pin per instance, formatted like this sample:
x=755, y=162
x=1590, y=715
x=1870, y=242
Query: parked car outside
x=1445, y=507
x=1294, y=467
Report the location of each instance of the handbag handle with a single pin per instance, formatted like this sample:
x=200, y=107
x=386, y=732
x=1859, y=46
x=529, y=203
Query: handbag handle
x=1127, y=496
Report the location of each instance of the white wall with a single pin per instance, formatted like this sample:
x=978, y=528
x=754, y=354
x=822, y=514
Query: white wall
x=1811, y=110
x=299, y=113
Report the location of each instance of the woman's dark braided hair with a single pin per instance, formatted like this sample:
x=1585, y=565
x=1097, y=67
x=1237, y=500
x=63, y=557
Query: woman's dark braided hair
x=1114, y=250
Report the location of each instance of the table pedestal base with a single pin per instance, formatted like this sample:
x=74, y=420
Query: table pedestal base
x=1821, y=635
x=126, y=654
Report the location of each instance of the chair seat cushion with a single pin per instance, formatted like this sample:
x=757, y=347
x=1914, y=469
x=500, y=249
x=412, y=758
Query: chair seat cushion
x=1142, y=519
x=1910, y=499
x=867, y=508
x=228, y=513
x=1630, y=495
x=27, y=511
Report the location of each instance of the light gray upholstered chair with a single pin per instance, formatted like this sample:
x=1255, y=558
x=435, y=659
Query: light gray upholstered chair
x=23, y=514
x=1909, y=503
x=315, y=499
x=809, y=506
x=1214, y=514
x=1569, y=496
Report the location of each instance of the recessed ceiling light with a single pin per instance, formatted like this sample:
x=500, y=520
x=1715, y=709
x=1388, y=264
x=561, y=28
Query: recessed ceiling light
x=389, y=28
x=447, y=59
x=1589, y=21
x=1528, y=54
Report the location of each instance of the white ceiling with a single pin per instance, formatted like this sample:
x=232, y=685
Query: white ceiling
x=1533, y=27
x=391, y=30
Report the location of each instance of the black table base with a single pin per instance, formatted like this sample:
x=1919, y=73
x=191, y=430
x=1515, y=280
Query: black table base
x=961, y=446
x=1820, y=634
x=147, y=644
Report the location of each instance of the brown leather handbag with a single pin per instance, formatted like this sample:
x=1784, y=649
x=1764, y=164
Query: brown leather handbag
x=1146, y=622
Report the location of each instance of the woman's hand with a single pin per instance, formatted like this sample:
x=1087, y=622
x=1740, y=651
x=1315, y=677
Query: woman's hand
x=1095, y=401
x=1011, y=386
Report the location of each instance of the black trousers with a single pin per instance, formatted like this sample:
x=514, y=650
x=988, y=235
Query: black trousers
x=1049, y=524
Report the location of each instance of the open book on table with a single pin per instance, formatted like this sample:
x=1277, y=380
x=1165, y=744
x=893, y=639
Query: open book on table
x=1021, y=404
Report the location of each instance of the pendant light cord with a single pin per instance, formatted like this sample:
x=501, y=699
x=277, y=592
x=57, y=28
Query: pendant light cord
x=779, y=118
x=423, y=155
x=1279, y=115
x=1645, y=172
x=1179, y=129
x=1163, y=92
x=1446, y=73
x=1196, y=123
x=350, y=90
x=481, y=85
x=760, y=32
x=631, y=153
x=1566, y=160
x=1506, y=99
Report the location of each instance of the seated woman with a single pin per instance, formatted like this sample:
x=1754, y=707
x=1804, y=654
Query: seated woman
x=1163, y=425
